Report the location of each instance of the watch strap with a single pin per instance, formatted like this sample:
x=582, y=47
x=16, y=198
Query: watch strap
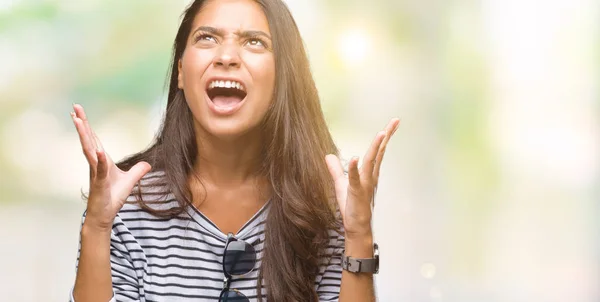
x=362, y=265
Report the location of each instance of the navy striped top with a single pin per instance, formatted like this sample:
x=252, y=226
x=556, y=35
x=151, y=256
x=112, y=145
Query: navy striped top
x=179, y=259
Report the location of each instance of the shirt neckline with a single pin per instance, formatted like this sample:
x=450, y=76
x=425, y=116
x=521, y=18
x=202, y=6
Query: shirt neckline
x=210, y=226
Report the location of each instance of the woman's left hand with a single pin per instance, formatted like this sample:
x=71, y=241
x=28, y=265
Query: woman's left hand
x=355, y=191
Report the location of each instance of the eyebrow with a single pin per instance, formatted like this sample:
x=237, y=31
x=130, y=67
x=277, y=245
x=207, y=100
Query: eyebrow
x=243, y=34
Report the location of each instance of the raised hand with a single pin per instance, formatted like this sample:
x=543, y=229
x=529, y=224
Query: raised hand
x=109, y=185
x=355, y=191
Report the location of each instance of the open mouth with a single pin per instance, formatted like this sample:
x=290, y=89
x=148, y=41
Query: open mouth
x=226, y=93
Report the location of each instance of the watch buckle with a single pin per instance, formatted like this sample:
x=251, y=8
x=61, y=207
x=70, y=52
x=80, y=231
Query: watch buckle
x=359, y=265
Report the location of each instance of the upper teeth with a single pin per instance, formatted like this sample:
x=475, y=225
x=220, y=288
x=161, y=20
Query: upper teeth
x=226, y=84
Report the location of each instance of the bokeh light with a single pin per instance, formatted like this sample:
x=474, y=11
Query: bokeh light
x=489, y=190
x=354, y=46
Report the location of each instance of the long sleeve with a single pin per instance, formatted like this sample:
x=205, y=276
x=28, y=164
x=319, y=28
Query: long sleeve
x=328, y=287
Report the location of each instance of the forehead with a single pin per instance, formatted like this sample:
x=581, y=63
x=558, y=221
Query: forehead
x=232, y=15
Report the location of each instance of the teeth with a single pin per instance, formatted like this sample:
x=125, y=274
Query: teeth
x=226, y=84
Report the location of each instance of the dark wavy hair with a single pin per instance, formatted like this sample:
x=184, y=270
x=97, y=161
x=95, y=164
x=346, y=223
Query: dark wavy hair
x=296, y=142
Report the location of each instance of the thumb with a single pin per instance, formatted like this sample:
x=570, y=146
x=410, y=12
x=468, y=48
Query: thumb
x=335, y=166
x=137, y=172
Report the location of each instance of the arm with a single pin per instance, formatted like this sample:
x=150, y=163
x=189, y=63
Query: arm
x=337, y=284
x=109, y=188
x=355, y=195
x=93, y=281
x=358, y=286
x=105, y=269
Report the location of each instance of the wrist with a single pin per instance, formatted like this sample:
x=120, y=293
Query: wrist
x=365, y=234
x=361, y=256
x=359, y=247
x=92, y=227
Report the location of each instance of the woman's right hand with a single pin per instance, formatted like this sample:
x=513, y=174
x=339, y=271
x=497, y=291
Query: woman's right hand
x=109, y=185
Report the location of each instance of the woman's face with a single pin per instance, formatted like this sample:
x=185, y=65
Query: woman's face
x=227, y=71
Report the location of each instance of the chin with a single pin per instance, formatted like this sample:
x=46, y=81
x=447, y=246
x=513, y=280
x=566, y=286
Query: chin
x=229, y=129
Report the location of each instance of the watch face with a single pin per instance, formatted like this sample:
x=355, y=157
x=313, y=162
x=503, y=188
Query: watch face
x=376, y=256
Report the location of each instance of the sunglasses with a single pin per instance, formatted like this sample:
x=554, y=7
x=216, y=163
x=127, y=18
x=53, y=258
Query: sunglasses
x=239, y=258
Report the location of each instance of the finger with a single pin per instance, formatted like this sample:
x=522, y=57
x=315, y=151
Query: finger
x=97, y=140
x=353, y=175
x=396, y=127
x=81, y=114
x=137, y=172
x=392, y=126
x=102, y=167
x=85, y=140
x=391, y=129
x=370, y=158
x=99, y=146
x=334, y=166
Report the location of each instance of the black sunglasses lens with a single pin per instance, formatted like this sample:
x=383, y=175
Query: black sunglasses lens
x=239, y=258
x=232, y=295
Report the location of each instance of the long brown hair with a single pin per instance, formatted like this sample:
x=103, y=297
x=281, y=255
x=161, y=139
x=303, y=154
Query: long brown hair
x=296, y=142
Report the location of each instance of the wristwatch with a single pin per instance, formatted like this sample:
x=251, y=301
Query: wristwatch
x=362, y=265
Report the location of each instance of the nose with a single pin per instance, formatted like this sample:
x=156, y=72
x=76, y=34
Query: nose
x=228, y=56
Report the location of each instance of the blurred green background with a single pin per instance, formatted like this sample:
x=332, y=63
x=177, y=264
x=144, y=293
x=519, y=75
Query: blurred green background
x=490, y=189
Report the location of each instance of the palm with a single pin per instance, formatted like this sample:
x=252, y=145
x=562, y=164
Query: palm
x=355, y=190
x=351, y=211
x=119, y=181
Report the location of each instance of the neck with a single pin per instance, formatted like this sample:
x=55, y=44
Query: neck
x=228, y=162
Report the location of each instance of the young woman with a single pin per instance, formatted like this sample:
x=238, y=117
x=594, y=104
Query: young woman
x=242, y=196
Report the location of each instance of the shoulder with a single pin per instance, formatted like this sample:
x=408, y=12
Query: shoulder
x=336, y=244
x=150, y=202
x=153, y=191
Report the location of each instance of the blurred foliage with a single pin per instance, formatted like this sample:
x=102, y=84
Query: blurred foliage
x=429, y=61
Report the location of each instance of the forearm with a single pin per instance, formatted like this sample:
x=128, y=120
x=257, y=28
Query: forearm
x=358, y=286
x=93, y=281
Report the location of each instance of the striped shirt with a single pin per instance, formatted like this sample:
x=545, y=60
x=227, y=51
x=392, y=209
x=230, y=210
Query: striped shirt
x=180, y=259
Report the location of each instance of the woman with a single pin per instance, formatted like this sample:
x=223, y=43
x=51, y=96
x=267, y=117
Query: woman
x=236, y=199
